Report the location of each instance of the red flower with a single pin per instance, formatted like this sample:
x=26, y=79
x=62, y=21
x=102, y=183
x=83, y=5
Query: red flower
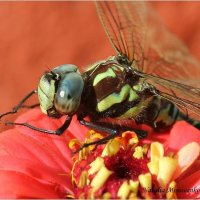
x=37, y=165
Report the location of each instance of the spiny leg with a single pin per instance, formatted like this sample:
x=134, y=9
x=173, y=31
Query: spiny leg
x=105, y=127
x=59, y=131
x=112, y=128
x=20, y=105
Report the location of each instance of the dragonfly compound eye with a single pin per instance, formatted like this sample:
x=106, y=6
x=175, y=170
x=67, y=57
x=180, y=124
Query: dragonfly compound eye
x=68, y=95
x=59, y=91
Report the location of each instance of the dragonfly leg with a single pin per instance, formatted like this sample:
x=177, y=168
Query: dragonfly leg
x=97, y=142
x=20, y=105
x=30, y=106
x=99, y=127
x=59, y=131
x=104, y=127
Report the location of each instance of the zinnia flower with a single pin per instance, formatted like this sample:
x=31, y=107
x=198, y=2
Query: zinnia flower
x=123, y=169
x=37, y=165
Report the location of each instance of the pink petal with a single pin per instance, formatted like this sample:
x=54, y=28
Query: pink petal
x=181, y=134
x=186, y=156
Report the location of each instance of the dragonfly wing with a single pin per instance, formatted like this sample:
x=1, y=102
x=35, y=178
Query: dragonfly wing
x=167, y=56
x=136, y=31
x=184, y=96
x=125, y=27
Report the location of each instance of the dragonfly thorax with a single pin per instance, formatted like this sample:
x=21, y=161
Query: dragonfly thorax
x=60, y=90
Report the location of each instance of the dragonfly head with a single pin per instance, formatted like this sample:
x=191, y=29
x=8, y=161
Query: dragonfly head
x=60, y=90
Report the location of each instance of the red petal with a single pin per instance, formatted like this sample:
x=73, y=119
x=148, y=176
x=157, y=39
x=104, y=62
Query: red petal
x=17, y=185
x=36, y=170
x=190, y=182
x=59, y=144
x=20, y=153
x=19, y=145
x=36, y=160
x=181, y=134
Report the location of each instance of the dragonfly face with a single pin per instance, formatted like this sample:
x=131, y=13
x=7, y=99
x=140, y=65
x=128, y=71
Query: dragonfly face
x=60, y=90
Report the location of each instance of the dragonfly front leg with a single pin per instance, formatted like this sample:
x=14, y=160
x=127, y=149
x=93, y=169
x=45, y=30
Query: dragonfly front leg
x=20, y=105
x=59, y=131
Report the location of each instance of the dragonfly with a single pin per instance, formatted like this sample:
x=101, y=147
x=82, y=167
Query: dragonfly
x=152, y=80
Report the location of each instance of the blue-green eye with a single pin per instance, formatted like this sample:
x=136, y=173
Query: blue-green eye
x=60, y=90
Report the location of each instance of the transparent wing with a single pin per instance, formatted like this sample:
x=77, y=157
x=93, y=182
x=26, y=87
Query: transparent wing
x=178, y=93
x=124, y=27
x=135, y=31
x=167, y=56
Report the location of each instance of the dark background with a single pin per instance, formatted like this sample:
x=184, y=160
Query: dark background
x=36, y=36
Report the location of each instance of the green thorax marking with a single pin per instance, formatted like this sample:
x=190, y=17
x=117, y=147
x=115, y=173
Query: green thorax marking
x=126, y=92
x=112, y=88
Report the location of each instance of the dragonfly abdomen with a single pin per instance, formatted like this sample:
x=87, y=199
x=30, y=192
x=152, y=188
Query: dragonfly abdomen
x=167, y=114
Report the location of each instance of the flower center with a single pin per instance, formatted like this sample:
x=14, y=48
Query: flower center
x=125, y=166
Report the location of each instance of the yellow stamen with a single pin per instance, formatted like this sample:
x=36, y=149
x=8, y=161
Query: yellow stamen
x=133, y=196
x=145, y=181
x=111, y=148
x=153, y=167
x=134, y=186
x=96, y=165
x=91, y=137
x=145, y=149
x=70, y=196
x=138, y=152
x=106, y=195
x=82, y=196
x=171, y=194
x=171, y=155
x=83, y=179
x=73, y=142
x=157, y=151
x=90, y=133
x=100, y=178
x=124, y=190
x=167, y=167
x=133, y=140
x=72, y=173
x=128, y=188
